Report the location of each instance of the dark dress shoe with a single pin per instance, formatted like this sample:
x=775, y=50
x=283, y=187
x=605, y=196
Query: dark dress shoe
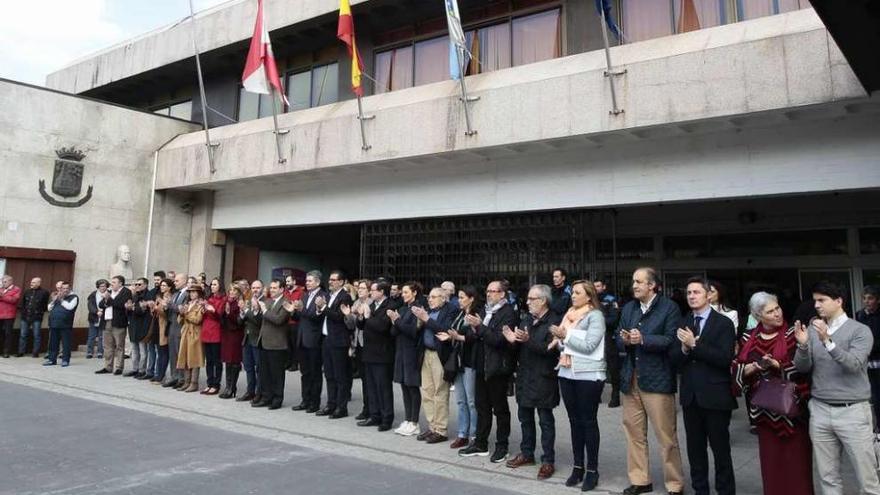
x=545, y=471
x=577, y=475
x=324, y=412
x=246, y=397
x=312, y=409
x=436, y=438
x=170, y=384
x=274, y=406
x=262, y=403
x=129, y=374
x=459, y=443
x=300, y=407
x=368, y=422
x=520, y=460
x=424, y=435
x=384, y=427
x=102, y=371
x=338, y=414
x=19, y=354
x=117, y=372
x=591, y=481
x=638, y=489
x=362, y=416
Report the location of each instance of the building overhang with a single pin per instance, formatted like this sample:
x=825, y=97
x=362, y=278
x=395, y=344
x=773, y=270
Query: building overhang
x=731, y=76
x=855, y=26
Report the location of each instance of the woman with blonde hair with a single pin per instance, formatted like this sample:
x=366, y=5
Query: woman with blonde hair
x=190, y=357
x=159, y=329
x=231, y=338
x=581, y=337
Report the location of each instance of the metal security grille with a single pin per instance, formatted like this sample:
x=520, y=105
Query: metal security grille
x=522, y=248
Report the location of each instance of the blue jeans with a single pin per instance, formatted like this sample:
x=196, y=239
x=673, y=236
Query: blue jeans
x=62, y=334
x=26, y=328
x=161, y=363
x=465, y=383
x=95, y=335
x=251, y=359
x=151, y=359
x=529, y=434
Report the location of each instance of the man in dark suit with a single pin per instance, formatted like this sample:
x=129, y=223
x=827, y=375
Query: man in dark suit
x=273, y=346
x=337, y=340
x=309, y=341
x=253, y=322
x=703, y=359
x=378, y=358
x=113, y=305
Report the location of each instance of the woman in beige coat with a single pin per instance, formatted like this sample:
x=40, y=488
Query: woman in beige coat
x=190, y=357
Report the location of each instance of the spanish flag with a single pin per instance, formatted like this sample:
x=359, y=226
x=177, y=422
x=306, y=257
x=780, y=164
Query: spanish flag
x=345, y=32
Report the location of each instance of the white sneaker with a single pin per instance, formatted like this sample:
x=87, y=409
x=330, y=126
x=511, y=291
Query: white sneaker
x=413, y=430
x=403, y=428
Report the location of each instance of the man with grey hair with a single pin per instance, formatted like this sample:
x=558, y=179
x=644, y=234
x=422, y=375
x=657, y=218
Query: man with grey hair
x=310, y=342
x=536, y=383
x=437, y=320
x=175, y=375
x=449, y=287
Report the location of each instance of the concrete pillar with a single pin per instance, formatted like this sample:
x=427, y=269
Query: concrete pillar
x=206, y=243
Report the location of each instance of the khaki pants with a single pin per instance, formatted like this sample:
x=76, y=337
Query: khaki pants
x=114, y=348
x=835, y=430
x=435, y=393
x=639, y=408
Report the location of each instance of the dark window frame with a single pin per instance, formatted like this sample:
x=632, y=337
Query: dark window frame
x=289, y=73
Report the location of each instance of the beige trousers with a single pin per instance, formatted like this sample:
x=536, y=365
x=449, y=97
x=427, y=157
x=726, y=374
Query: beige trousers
x=638, y=409
x=114, y=348
x=435, y=393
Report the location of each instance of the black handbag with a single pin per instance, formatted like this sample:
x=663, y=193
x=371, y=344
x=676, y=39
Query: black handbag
x=452, y=366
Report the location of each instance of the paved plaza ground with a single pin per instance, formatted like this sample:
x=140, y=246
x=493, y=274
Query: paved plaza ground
x=68, y=430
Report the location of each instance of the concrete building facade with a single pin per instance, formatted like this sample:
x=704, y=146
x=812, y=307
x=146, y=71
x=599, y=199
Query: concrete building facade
x=746, y=147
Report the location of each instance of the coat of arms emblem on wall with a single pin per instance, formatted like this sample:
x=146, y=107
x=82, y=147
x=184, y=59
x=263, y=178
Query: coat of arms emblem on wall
x=67, y=179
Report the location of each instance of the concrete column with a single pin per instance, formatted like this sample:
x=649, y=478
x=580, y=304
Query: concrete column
x=206, y=243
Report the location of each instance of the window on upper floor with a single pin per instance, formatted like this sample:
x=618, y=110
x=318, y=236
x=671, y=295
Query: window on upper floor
x=255, y=106
x=516, y=40
x=181, y=110
x=646, y=19
x=313, y=87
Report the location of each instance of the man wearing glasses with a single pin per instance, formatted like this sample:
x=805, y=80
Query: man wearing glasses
x=494, y=365
x=337, y=338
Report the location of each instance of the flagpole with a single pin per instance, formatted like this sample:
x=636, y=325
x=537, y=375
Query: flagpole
x=362, y=118
x=609, y=73
x=277, y=133
x=464, y=96
x=204, y=99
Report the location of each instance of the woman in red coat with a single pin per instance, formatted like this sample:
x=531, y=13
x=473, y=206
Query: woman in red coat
x=231, y=340
x=211, y=330
x=784, y=444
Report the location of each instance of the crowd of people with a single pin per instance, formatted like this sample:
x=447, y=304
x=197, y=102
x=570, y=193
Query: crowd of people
x=808, y=386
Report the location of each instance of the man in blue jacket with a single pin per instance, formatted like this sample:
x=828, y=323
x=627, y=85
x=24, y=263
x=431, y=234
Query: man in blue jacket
x=646, y=333
x=62, y=308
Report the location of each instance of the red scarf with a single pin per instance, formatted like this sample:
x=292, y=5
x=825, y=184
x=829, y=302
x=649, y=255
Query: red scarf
x=780, y=344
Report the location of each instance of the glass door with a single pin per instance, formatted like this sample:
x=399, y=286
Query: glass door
x=841, y=277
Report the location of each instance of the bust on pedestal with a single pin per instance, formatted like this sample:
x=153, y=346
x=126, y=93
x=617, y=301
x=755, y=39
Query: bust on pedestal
x=122, y=266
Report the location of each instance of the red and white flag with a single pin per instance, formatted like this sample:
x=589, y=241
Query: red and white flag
x=260, y=70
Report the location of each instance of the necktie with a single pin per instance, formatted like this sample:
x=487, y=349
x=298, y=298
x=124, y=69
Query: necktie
x=697, y=320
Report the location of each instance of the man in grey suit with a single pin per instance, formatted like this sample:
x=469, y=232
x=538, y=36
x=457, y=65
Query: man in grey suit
x=175, y=376
x=273, y=346
x=834, y=350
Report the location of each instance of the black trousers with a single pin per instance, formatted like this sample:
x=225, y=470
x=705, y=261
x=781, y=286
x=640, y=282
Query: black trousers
x=581, y=399
x=701, y=425
x=412, y=403
x=213, y=365
x=612, y=360
x=874, y=380
x=377, y=377
x=337, y=371
x=6, y=333
x=292, y=349
x=530, y=434
x=311, y=380
x=491, y=398
x=273, y=365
